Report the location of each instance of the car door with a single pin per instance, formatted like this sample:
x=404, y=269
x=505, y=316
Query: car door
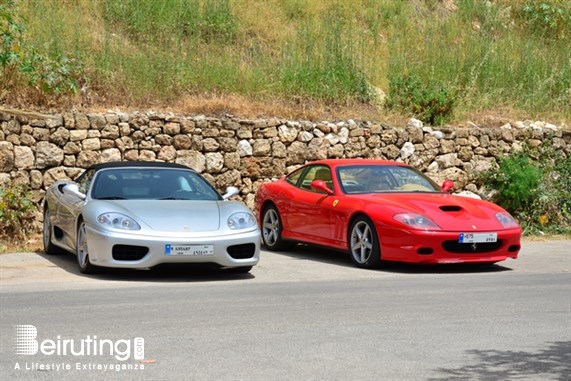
x=70, y=207
x=309, y=213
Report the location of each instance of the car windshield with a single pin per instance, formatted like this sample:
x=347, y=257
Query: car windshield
x=151, y=184
x=358, y=179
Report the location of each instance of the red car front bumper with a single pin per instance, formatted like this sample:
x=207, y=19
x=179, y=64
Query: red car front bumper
x=432, y=247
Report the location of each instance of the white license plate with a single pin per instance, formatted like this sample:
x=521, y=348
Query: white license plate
x=196, y=250
x=477, y=237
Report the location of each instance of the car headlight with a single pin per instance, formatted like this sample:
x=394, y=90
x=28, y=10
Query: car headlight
x=118, y=221
x=416, y=221
x=506, y=220
x=241, y=220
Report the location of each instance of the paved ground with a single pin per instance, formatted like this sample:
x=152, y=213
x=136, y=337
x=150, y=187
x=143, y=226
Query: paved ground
x=303, y=314
x=33, y=271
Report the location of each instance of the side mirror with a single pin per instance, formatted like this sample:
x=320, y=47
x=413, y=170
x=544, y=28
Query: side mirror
x=447, y=186
x=73, y=190
x=230, y=191
x=320, y=185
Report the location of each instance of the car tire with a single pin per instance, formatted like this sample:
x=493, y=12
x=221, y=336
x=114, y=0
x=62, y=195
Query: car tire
x=272, y=229
x=364, y=248
x=82, y=251
x=49, y=247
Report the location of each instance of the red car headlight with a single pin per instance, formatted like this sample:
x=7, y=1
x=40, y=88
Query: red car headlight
x=416, y=221
x=507, y=220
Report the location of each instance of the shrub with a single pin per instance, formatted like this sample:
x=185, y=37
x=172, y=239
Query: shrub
x=537, y=192
x=58, y=74
x=551, y=210
x=550, y=18
x=16, y=212
x=428, y=101
x=516, y=181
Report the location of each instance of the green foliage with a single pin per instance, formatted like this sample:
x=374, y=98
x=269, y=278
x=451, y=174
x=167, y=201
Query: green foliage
x=158, y=21
x=16, y=212
x=218, y=22
x=551, y=210
x=295, y=9
x=537, y=192
x=57, y=74
x=428, y=101
x=51, y=75
x=550, y=18
x=485, y=52
x=516, y=181
x=331, y=70
x=152, y=21
x=10, y=35
x=504, y=54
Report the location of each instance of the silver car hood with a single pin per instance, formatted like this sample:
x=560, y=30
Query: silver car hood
x=174, y=215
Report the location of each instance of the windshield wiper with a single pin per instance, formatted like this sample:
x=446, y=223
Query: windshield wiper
x=173, y=198
x=111, y=198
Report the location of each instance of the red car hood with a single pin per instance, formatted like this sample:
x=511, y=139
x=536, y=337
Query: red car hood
x=451, y=213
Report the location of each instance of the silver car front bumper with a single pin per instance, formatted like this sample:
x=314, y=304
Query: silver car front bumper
x=100, y=245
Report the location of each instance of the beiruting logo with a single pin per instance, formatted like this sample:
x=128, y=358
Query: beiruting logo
x=27, y=344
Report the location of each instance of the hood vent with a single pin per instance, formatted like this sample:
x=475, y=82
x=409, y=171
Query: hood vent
x=450, y=208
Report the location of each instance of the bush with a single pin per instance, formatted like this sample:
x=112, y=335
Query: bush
x=537, y=192
x=58, y=74
x=549, y=18
x=16, y=213
x=430, y=102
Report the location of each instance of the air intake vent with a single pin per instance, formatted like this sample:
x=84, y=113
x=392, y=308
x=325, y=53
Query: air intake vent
x=129, y=252
x=450, y=208
x=247, y=250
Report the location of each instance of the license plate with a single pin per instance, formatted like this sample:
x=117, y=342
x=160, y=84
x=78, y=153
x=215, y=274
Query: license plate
x=477, y=237
x=196, y=250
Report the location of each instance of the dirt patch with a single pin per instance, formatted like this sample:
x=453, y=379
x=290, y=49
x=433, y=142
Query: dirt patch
x=32, y=244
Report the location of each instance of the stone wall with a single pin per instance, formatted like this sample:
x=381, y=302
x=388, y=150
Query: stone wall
x=230, y=151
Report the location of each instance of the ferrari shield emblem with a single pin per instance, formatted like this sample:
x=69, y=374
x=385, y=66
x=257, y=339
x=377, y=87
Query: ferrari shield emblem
x=335, y=202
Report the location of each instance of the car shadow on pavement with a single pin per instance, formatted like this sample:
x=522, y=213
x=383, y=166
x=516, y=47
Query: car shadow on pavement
x=164, y=273
x=330, y=256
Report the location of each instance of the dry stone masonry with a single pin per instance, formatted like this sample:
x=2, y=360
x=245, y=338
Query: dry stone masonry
x=230, y=151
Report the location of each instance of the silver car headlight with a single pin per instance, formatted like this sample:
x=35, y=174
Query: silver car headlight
x=118, y=221
x=241, y=220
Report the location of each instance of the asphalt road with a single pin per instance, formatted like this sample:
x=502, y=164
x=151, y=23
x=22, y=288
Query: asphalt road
x=306, y=314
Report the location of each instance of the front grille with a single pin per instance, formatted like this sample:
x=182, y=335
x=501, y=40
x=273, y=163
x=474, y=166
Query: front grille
x=244, y=251
x=483, y=247
x=129, y=252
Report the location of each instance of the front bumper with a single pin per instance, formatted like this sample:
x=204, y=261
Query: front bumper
x=433, y=247
x=101, y=242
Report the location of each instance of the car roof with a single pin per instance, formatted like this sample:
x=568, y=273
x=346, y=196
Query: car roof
x=340, y=162
x=137, y=164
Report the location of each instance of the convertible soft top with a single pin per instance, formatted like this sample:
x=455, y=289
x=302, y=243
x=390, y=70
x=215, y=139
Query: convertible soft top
x=121, y=164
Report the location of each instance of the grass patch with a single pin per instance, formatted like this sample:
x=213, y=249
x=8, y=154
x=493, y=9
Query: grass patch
x=501, y=54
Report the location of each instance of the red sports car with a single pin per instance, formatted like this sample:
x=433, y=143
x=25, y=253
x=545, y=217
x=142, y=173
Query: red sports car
x=383, y=210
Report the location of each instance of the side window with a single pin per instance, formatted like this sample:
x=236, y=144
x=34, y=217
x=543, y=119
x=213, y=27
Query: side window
x=317, y=172
x=85, y=181
x=294, y=177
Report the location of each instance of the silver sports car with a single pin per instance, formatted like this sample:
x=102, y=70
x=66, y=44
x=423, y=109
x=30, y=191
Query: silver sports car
x=143, y=214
